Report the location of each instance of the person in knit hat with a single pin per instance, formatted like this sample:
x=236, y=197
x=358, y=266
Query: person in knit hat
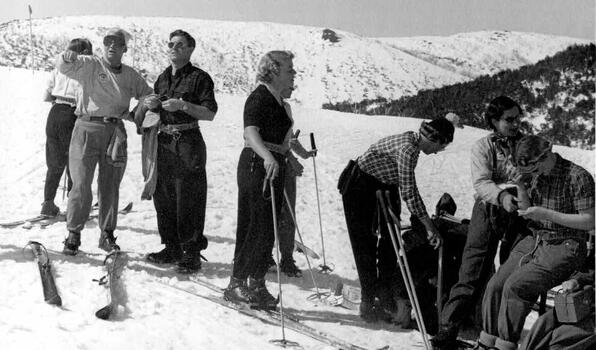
x=388, y=164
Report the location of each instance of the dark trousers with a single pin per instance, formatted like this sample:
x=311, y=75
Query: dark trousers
x=287, y=228
x=60, y=123
x=181, y=190
x=254, y=234
x=488, y=225
x=360, y=209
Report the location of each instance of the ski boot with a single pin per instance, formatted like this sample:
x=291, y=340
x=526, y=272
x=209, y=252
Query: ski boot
x=49, y=209
x=107, y=241
x=260, y=296
x=288, y=266
x=237, y=291
x=191, y=260
x=170, y=254
x=72, y=243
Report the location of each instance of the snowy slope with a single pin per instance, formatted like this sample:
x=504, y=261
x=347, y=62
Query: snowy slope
x=352, y=69
x=487, y=52
x=160, y=317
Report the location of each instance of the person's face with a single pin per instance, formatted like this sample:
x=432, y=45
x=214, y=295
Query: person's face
x=508, y=124
x=178, y=50
x=114, y=48
x=434, y=147
x=536, y=166
x=285, y=79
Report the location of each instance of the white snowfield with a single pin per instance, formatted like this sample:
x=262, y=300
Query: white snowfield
x=158, y=316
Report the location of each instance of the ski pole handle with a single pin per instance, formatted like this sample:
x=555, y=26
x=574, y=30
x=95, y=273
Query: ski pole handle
x=313, y=146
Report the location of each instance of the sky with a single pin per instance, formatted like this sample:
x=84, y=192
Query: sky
x=372, y=18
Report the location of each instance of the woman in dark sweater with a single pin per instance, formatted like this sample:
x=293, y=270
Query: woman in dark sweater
x=267, y=129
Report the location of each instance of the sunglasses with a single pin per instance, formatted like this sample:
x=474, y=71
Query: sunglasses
x=109, y=41
x=512, y=120
x=176, y=45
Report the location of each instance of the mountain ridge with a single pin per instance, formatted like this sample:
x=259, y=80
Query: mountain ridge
x=353, y=68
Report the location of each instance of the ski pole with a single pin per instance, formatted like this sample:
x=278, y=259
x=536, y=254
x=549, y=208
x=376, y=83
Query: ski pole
x=317, y=294
x=65, y=183
x=440, y=283
x=283, y=342
x=392, y=225
x=324, y=268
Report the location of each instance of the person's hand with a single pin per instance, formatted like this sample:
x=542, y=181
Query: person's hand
x=69, y=56
x=434, y=238
x=271, y=168
x=570, y=285
x=509, y=202
x=534, y=213
x=151, y=101
x=173, y=105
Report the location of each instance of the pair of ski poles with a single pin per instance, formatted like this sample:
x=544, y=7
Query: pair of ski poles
x=394, y=228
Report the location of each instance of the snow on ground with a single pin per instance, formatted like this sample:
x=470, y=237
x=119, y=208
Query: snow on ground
x=160, y=317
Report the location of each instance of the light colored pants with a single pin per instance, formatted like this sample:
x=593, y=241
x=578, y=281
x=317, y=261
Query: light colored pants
x=88, y=147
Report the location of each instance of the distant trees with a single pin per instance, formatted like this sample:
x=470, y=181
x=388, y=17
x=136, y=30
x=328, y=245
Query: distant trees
x=561, y=86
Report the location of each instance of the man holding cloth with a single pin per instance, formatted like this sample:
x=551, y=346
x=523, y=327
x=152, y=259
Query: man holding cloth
x=99, y=136
x=183, y=96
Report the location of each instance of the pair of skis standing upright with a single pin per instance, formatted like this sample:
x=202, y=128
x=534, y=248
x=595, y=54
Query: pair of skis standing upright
x=114, y=264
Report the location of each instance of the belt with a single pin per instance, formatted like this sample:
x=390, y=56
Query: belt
x=548, y=236
x=65, y=101
x=110, y=120
x=175, y=129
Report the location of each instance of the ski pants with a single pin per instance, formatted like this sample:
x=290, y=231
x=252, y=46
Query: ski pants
x=477, y=260
x=255, y=232
x=60, y=123
x=534, y=267
x=88, y=148
x=180, y=196
x=376, y=262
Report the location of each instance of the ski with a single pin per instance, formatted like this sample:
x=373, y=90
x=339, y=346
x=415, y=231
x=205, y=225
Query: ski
x=23, y=221
x=50, y=292
x=45, y=220
x=301, y=248
x=62, y=217
x=267, y=316
x=114, y=264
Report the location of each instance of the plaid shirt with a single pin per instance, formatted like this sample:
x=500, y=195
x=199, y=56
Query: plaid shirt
x=190, y=84
x=392, y=161
x=567, y=189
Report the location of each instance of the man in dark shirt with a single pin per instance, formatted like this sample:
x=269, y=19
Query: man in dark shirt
x=183, y=96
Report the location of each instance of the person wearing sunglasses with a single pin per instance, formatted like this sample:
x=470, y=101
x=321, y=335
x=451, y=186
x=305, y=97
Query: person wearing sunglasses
x=388, y=165
x=557, y=196
x=99, y=137
x=184, y=95
x=494, y=217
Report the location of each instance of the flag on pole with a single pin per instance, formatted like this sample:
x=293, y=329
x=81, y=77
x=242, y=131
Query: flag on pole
x=30, y=10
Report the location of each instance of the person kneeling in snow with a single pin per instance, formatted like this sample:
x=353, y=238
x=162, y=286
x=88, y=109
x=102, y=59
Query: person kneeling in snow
x=387, y=165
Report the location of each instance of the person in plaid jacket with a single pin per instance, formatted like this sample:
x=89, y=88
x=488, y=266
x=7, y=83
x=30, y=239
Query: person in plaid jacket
x=557, y=197
x=387, y=165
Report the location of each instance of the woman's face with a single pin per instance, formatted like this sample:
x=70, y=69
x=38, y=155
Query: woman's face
x=285, y=79
x=508, y=124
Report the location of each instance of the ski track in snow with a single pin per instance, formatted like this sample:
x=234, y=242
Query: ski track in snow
x=159, y=317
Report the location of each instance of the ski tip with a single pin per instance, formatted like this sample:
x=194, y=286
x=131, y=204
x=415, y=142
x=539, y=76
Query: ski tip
x=104, y=313
x=128, y=207
x=55, y=300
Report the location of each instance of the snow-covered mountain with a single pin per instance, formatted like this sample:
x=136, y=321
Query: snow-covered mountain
x=483, y=53
x=351, y=69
